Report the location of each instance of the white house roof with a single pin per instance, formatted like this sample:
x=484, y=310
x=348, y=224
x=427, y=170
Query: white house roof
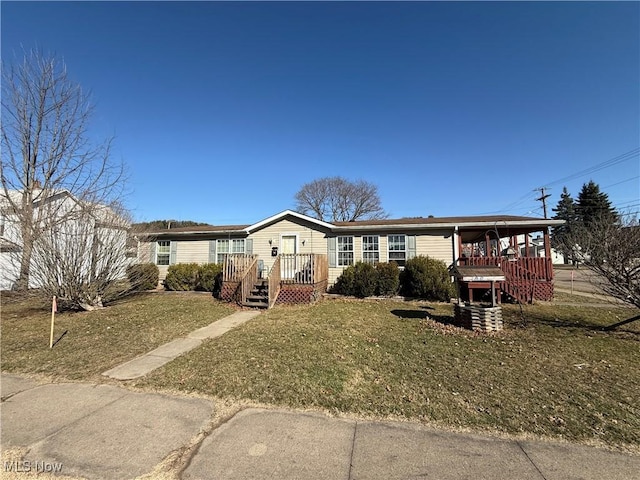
x=283, y=214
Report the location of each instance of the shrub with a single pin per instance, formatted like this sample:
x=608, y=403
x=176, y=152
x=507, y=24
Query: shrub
x=143, y=276
x=365, y=280
x=428, y=278
x=207, y=276
x=359, y=280
x=388, y=275
x=344, y=283
x=182, y=276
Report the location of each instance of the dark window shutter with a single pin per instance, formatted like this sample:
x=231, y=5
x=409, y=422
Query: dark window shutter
x=331, y=251
x=212, y=251
x=173, y=250
x=411, y=246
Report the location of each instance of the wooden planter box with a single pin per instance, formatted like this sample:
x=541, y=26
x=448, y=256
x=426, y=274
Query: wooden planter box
x=475, y=317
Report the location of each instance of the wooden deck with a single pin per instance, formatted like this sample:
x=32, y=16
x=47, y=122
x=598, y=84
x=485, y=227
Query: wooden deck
x=293, y=278
x=526, y=278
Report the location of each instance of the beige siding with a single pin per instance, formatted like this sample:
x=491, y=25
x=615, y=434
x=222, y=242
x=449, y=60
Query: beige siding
x=438, y=246
x=192, y=251
x=310, y=240
x=187, y=251
x=144, y=253
x=434, y=244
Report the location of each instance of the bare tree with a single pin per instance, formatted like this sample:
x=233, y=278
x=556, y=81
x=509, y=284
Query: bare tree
x=612, y=251
x=46, y=153
x=340, y=200
x=83, y=261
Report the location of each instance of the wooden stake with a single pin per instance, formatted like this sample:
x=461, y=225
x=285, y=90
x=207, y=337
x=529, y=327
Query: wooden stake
x=571, y=282
x=54, y=308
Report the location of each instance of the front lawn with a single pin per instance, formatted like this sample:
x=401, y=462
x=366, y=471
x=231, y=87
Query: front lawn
x=92, y=342
x=551, y=372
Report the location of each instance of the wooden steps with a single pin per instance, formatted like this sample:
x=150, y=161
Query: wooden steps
x=259, y=297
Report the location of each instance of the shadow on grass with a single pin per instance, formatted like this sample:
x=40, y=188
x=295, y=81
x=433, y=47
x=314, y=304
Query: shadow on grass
x=419, y=314
x=128, y=298
x=582, y=325
x=422, y=314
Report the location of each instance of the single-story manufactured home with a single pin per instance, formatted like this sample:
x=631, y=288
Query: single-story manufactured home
x=297, y=256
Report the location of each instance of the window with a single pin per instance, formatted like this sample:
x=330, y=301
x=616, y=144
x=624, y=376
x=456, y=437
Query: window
x=370, y=249
x=397, y=249
x=345, y=251
x=163, y=251
x=234, y=245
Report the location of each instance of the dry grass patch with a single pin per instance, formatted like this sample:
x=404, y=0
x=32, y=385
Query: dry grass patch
x=92, y=342
x=554, y=374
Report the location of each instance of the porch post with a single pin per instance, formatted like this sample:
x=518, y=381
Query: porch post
x=487, y=243
x=526, y=245
x=457, y=242
x=547, y=244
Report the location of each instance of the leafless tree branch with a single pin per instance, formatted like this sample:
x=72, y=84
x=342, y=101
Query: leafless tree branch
x=337, y=199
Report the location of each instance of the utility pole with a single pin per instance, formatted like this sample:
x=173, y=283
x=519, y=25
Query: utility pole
x=543, y=199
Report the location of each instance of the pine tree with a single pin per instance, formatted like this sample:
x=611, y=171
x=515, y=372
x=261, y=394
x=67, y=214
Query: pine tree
x=593, y=206
x=565, y=210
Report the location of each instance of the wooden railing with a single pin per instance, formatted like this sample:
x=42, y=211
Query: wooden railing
x=521, y=274
x=248, y=280
x=321, y=268
x=540, y=267
x=274, y=282
x=303, y=268
x=519, y=282
x=235, y=265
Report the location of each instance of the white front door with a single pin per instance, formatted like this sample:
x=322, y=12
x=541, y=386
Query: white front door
x=288, y=248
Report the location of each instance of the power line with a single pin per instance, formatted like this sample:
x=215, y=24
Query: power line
x=622, y=181
x=600, y=166
x=595, y=168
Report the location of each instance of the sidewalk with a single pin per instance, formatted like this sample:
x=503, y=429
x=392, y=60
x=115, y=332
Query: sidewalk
x=144, y=364
x=108, y=432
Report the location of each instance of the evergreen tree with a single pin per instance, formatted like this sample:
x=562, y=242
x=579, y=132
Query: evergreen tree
x=565, y=210
x=593, y=206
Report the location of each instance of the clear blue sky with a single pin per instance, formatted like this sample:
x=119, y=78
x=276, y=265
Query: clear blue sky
x=223, y=110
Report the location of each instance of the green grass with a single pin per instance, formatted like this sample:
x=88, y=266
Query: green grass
x=554, y=374
x=91, y=342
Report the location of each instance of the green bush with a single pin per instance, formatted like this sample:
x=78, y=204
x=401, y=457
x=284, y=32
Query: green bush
x=182, y=276
x=344, y=283
x=359, y=280
x=388, y=275
x=425, y=277
x=143, y=276
x=365, y=280
x=207, y=276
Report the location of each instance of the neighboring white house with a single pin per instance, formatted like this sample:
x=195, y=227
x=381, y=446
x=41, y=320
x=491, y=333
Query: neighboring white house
x=77, y=238
x=537, y=249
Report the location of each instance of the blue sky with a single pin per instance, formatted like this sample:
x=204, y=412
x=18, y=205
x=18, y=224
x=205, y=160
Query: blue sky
x=221, y=111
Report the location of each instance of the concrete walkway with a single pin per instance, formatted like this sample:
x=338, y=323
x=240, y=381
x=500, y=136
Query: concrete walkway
x=108, y=432
x=144, y=364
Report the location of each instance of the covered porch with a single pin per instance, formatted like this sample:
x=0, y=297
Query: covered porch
x=292, y=278
x=509, y=247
